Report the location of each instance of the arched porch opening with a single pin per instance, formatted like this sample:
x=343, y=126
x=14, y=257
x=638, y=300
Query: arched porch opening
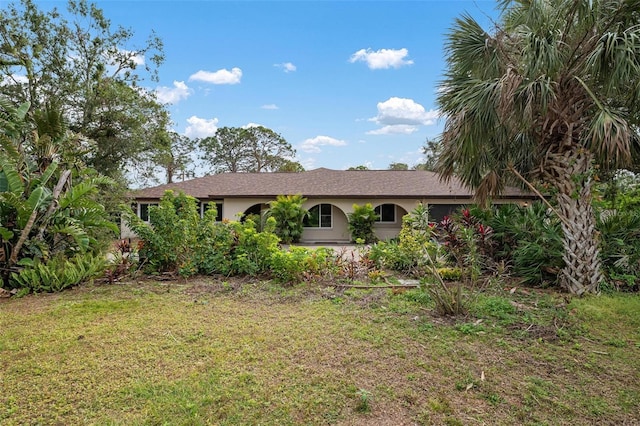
x=325, y=223
x=389, y=221
x=256, y=213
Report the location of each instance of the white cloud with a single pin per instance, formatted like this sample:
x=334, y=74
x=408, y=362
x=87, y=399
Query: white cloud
x=308, y=163
x=201, y=127
x=249, y=125
x=270, y=106
x=402, y=116
x=133, y=56
x=383, y=58
x=172, y=95
x=314, y=144
x=14, y=78
x=398, y=129
x=286, y=66
x=222, y=76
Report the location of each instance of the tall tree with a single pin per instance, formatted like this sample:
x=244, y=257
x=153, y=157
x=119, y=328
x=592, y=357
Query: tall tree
x=252, y=149
x=90, y=68
x=398, y=166
x=549, y=94
x=169, y=156
x=431, y=151
x=290, y=166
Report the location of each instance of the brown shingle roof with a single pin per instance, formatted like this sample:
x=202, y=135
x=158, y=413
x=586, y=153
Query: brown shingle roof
x=321, y=183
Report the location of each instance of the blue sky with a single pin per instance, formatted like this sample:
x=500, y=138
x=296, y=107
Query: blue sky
x=344, y=82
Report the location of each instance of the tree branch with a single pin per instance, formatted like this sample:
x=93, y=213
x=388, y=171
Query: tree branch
x=542, y=197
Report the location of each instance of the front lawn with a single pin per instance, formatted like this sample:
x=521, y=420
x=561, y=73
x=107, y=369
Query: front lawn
x=226, y=352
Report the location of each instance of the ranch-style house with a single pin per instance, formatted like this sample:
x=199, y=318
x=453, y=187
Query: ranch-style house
x=330, y=196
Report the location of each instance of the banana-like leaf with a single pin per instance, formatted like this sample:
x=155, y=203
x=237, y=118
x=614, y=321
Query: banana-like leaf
x=10, y=180
x=38, y=197
x=22, y=111
x=50, y=170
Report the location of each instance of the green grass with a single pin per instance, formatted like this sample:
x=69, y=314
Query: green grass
x=206, y=352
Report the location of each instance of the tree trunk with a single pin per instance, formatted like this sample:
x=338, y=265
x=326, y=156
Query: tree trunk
x=570, y=172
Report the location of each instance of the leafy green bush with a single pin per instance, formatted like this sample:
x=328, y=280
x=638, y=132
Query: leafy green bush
x=253, y=251
x=216, y=242
x=171, y=238
x=178, y=240
x=530, y=239
x=392, y=255
x=290, y=266
x=288, y=213
x=619, y=191
x=449, y=273
x=620, y=247
x=361, y=222
x=58, y=273
x=411, y=252
x=299, y=264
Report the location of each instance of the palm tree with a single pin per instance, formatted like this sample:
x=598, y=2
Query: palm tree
x=551, y=95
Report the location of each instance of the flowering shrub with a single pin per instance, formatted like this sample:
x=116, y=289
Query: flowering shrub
x=467, y=242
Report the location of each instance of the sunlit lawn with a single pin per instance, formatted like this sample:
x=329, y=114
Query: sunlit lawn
x=212, y=352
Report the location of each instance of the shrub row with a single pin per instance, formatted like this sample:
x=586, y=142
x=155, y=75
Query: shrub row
x=177, y=240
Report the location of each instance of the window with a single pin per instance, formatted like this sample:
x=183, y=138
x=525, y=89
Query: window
x=143, y=210
x=386, y=213
x=204, y=206
x=319, y=216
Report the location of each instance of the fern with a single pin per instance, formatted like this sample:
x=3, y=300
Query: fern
x=59, y=273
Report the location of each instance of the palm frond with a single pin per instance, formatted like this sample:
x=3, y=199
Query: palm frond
x=609, y=138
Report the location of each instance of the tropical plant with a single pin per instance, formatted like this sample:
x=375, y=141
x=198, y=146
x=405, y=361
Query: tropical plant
x=620, y=247
x=548, y=94
x=361, y=222
x=48, y=205
x=170, y=239
x=530, y=239
x=413, y=251
x=467, y=241
x=58, y=273
x=289, y=214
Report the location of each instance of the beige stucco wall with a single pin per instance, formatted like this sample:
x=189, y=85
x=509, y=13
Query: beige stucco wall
x=234, y=208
